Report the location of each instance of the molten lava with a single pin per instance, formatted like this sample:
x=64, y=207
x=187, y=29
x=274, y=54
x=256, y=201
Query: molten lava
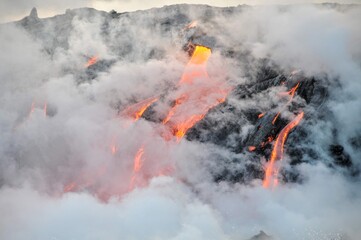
x=136, y=111
x=196, y=95
x=138, y=163
x=193, y=24
x=277, y=152
x=196, y=68
x=291, y=93
x=93, y=60
x=275, y=118
x=138, y=160
x=251, y=148
x=199, y=94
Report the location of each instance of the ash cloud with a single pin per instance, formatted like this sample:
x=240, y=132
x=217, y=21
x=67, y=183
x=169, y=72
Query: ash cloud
x=141, y=55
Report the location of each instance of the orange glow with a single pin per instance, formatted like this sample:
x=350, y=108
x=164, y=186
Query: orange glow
x=171, y=112
x=87, y=179
x=113, y=149
x=182, y=128
x=136, y=111
x=196, y=68
x=197, y=97
x=291, y=93
x=138, y=160
x=271, y=173
x=192, y=25
x=269, y=140
x=275, y=118
x=185, y=120
x=93, y=60
x=70, y=187
x=261, y=115
x=293, y=90
x=251, y=148
x=200, y=55
x=138, y=163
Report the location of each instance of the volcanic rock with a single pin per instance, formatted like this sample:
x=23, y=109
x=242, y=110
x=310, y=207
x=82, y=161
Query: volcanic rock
x=34, y=13
x=261, y=236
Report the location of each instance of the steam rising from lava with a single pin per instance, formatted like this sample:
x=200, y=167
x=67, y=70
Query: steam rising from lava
x=106, y=152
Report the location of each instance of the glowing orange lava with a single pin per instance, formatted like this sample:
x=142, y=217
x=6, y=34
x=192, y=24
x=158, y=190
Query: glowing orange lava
x=291, y=93
x=70, y=187
x=93, y=60
x=277, y=152
x=136, y=111
x=113, y=149
x=138, y=163
x=195, y=96
x=200, y=94
x=251, y=148
x=138, y=160
x=192, y=25
x=196, y=68
x=275, y=118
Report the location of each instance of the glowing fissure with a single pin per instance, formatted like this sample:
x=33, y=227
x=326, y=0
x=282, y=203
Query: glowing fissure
x=137, y=165
x=193, y=24
x=291, y=93
x=93, y=60
x=137, y=110
x=200, y=95
x=138, y=160
x=275, y=118
x=271, y=173
x=196, y=68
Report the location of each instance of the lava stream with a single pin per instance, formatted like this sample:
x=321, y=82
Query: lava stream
x=93, y=60
x=277, y=152
x=136, y=111
x=196, y=67
x=200, y=94
x=138, y=163
x=291, y=93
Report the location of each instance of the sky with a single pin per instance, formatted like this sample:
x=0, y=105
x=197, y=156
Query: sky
x=14, y=10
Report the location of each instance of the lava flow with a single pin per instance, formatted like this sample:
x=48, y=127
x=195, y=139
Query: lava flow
x=277, y=152
x=193, y=24
x=93, y=60
x=291, y=93
x=199, y=94
x=138, y=162
x=135, y=111
x=196, y=68
x=196, y=96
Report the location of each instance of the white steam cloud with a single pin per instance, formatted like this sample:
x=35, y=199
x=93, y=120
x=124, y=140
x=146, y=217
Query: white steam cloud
x=41, y=153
